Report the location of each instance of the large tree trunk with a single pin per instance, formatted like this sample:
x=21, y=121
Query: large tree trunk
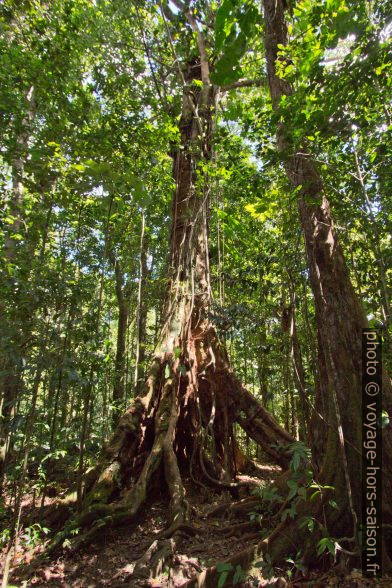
x=339, y=316
x=336, y=430
x=336, y=426
x=181, y=424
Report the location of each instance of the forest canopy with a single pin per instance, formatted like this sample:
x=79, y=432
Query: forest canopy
x=195, y=235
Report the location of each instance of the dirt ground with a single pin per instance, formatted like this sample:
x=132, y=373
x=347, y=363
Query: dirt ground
x=112, y=561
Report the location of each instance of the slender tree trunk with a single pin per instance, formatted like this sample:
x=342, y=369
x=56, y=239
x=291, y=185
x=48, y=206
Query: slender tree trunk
x=141, y=312
x=17, y=511
x=298, y=367
x=10, y=333
x=123, y=299
x=384, y=295
x=88, y=407
x=263, y=351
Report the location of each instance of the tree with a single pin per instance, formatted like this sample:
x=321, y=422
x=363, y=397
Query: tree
x=190, y=390
x=339, y=315
x=340, y=320
x=110, y=298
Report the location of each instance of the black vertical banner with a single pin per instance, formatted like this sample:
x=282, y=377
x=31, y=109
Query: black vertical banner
x=371, y=453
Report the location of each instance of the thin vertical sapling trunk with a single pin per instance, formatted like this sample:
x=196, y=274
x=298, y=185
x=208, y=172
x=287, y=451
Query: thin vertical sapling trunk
x=10, y=331
x=141, y=314
x=297, y=362
x=123, y=293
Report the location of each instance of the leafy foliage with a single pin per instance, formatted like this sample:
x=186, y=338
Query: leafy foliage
x=90, y=100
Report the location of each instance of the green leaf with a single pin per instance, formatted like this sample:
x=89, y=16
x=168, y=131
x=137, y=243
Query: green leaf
x=223, y=22
x=197, y=83
x=295, y=461
x=293, y=489
x=307, y=522
x=222, y=579
x=224, y=567
x=239, y=575
x=327, y=544
x=302, y=493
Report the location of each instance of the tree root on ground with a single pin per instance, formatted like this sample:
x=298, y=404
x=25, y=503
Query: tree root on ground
x=243, y=506
x=238, y=529
x=246, y=558
x=183, y=528
x=285, y=540
x=162, y=425
x=152, y=563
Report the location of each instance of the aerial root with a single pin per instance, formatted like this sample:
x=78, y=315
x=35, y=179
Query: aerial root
x=162, y=549
x=219, y=483
x=100, y=516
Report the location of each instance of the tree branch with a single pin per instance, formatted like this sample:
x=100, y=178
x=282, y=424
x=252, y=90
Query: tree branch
x=244, y=84
x=205, y=68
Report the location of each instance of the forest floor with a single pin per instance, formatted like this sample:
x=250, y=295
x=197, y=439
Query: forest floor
x=111, y=560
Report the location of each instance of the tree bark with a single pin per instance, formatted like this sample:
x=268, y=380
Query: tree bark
x=123, y=296
x=339, y=315
x=296, y=358
x=191, y=397
x=141, y=312
x=11, y=335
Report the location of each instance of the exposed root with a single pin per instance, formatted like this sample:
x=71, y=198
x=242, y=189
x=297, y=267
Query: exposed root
x=161, y=551
x=242, y=506
x=238, y=529
x=250, y=537
x=152, y=563
x=219, y=483
x=151, y=428
x=284, y=540
x=256, y=421
x=105, y=484
x=209, y=578
x=179, y=507
x=179, y=528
